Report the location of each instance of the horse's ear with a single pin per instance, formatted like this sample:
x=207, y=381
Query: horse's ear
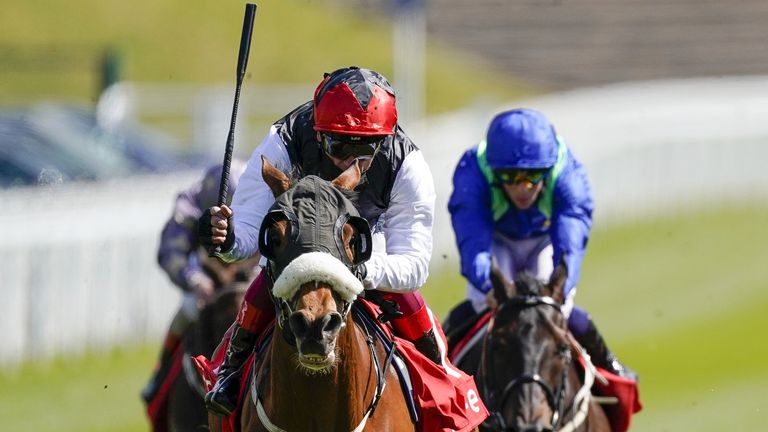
x=502, y=287
x=557, y=282
x=350, y=178
x=277, y=181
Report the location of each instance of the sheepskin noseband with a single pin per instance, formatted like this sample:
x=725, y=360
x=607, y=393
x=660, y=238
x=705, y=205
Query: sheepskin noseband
x=320, y=267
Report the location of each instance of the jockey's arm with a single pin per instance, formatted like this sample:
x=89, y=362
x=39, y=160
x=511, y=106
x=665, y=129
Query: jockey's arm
x=407, y=230
x=253, y=197
x=176, y=253
x=472, y=220
x=572, y=221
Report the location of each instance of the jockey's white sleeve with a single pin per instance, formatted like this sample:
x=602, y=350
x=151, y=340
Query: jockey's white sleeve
x=407, y=228
x=253, y=197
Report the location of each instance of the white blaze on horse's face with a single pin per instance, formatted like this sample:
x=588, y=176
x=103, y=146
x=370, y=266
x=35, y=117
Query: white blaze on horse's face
x=317, y=282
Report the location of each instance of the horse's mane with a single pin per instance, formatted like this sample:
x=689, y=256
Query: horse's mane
x=527, y=284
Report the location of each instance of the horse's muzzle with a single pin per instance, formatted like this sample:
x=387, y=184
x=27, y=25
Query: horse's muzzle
x=316, y=339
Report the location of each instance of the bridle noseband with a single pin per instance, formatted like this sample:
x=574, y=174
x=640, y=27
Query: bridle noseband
x=554, y=397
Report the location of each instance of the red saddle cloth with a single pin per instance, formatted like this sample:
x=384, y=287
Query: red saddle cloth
x=623, y=389
x=447, y=398
x=157, y=408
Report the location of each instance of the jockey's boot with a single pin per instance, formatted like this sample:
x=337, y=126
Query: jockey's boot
x=256, y=313
x=591, y=339
x=164, y=364
x=417, y=325
x=428, y=346
x=222, y=399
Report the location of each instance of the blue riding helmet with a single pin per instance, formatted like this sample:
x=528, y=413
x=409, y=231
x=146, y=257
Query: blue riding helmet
x=209, y=189
x=521, y=139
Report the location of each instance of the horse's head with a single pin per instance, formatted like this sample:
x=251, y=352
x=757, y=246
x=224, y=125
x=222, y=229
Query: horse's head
x=526, y=354
x=314, y=239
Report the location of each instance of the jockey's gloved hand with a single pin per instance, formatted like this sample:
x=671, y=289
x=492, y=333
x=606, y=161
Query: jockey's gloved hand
x=482, y=270
x=205, y=227
x=389, y=308
x=202, y=286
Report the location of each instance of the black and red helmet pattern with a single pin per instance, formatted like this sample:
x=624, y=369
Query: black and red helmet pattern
x=355, y=101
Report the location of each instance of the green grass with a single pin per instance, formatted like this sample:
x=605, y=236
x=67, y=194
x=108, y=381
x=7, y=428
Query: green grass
x=97, y=394
x=681, y=299
x=53, y=49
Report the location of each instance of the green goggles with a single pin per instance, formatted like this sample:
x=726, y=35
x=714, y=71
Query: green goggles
x=517, y=176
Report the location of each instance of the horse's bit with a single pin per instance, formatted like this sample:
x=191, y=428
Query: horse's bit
x=554, y=398
x=380, y=382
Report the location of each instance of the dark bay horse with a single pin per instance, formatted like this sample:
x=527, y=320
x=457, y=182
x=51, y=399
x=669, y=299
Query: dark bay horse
x=525, y=365
x=186, y=410
x=322, y=371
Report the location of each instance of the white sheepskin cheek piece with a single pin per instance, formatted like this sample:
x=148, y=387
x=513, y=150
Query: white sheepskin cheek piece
x=321, y=267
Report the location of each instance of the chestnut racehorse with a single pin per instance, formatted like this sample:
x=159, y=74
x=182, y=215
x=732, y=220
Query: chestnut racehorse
x=321, y=371
x=525, y=365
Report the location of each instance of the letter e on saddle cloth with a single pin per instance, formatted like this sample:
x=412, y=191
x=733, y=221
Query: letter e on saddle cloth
x=446, y=397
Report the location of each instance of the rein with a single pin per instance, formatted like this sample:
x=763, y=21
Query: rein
x=381, y=381
x=555, y=398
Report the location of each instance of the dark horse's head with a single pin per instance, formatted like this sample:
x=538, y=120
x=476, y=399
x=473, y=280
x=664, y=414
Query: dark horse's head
x=526, y=354
x=314, y=239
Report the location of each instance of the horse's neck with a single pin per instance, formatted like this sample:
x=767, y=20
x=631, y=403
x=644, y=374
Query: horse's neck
x=339, y=397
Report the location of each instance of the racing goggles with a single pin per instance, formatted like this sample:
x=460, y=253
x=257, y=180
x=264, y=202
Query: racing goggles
x=343, y=146
x=517, y=176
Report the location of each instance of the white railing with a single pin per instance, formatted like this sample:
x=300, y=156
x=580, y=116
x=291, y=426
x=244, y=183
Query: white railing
x=77, y=261
x=78, y=266
x=649, y=147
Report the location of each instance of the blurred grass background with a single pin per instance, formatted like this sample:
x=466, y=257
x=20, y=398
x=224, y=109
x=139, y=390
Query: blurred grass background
x=679, y=298
x=196, y=41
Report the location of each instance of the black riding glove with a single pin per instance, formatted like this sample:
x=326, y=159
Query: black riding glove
x=389, y=308
x=205, y=232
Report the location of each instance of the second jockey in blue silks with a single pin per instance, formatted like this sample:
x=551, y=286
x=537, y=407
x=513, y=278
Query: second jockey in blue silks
x=521, y=197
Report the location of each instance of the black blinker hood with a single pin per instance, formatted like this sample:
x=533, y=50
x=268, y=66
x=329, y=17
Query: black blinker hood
x=317, y=212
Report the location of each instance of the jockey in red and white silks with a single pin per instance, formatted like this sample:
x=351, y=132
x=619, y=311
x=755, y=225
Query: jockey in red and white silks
x=352, y=118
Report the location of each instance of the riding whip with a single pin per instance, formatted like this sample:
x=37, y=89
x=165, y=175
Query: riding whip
x=242, y=62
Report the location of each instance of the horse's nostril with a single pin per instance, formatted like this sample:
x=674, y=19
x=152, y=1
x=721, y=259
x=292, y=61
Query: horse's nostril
x=332, y=323
x=299, y=324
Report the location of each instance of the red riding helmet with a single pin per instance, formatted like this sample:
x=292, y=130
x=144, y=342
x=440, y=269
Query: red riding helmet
x=355, y=101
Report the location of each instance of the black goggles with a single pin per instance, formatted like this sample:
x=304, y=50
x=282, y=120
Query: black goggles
x=343, y=146
x=517, y=176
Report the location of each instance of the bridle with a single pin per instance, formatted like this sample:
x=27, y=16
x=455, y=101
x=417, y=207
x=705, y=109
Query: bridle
x=554, y=394
x=284, y=310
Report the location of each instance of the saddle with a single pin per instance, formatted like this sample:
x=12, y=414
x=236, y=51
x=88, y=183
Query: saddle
x=439, y=399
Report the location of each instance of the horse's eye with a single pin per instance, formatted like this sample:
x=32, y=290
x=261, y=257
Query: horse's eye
x=352, y=241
